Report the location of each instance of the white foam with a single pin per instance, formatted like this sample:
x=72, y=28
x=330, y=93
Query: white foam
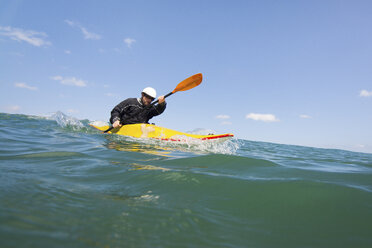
x=65, y=120
x=187, y=144
x=99, y=123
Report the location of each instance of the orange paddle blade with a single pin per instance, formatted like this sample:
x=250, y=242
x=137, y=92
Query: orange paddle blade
x=189, y=83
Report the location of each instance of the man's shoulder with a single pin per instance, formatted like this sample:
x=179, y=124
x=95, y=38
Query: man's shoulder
x=130, y=101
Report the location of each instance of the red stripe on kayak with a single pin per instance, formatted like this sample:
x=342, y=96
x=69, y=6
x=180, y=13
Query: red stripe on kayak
x=206, y=138
x=219, y=136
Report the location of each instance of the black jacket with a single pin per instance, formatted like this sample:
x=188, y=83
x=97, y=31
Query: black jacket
x=131, y=111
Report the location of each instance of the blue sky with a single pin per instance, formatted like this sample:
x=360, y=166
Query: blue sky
x=292, y=72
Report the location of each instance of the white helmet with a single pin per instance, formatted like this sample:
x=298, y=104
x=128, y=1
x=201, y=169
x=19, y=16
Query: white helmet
x=150, y=92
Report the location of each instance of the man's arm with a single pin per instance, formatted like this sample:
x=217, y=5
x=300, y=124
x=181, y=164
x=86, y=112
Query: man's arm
x=158, y=108
x=116, y=114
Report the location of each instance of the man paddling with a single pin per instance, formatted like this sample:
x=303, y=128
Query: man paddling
x=137, y=110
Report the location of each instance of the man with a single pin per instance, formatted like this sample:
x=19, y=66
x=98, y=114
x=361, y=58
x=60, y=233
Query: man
x=137, y=110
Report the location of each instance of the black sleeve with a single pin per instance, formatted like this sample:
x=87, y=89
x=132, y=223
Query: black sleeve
x=117, y=111
x=157, y=109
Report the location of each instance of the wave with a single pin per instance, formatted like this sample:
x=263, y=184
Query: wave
x=57, y=175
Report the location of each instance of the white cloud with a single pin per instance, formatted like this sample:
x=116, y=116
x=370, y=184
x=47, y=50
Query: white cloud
x=305, y=116
x=72, y=111
x=223, y=117
x=67, y=52
x=87, y=35
x=32, y=37
x=14, y=108
x=90, y=35
x=24, y=86
x=365, y=93
x=129, y=42
x=11, y=108
x=70, y=81
x=262, y=117
x=71, y=23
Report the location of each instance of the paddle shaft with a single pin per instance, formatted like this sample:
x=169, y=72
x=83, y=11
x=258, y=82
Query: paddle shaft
x=170, y=93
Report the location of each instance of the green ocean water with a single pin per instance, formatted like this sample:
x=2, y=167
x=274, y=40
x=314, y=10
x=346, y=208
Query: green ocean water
x=63, y=184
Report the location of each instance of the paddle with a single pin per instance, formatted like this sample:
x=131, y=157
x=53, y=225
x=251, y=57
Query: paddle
x=186, y=84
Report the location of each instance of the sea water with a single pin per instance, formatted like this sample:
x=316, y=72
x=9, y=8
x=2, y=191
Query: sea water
x=64, y=184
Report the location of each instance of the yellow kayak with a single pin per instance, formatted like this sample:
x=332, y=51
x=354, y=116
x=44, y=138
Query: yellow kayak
x=161, y=133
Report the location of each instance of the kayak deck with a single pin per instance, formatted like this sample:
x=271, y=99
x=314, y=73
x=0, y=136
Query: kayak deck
x=162, y=133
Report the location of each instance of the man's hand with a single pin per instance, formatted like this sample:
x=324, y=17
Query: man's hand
x=161, y=99
x=116, y=124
